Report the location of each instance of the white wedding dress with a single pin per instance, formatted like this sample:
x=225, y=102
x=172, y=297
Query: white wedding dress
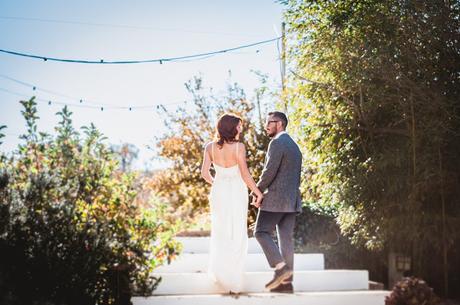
x=229, y=238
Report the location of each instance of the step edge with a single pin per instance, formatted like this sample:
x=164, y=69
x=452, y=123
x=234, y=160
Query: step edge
x=298, y=293
x=328, y=271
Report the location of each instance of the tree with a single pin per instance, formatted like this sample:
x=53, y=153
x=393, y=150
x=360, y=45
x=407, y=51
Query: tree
x=375, y=91
x=126, y=154
x=191, y=127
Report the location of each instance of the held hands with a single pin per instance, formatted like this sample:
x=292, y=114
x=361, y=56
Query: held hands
x=257, y=199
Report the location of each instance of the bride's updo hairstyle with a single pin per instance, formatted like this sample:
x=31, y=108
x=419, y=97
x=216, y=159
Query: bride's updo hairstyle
x=226, y=129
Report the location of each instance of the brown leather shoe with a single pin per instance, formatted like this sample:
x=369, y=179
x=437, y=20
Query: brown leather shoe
x=280, y=276
x=283, y=288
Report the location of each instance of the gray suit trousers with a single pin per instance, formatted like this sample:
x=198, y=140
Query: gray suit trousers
x=283, y=222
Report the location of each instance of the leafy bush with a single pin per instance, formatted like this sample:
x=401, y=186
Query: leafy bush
x=319, y=233
x=70, y=229
x=412, y=291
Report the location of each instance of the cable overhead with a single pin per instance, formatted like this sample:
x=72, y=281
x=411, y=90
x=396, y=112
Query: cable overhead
x=127, y=26
x=101, y=107
x=123, y=62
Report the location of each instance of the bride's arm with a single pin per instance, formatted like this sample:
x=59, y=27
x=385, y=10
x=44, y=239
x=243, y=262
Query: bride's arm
x=207, y=165
x=242, y=164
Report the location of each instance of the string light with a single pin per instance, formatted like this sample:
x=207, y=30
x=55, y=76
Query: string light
x=36, y=88
x=101, y=61
x=101, y=108
x=80, y=101
x=159, y=60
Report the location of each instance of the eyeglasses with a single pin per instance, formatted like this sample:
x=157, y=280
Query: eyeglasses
x=273, y=121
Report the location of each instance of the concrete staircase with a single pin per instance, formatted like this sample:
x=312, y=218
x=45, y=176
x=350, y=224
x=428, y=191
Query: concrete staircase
x=185, y=282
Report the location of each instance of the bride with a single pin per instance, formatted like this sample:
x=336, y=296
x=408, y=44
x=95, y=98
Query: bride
x=229, y=203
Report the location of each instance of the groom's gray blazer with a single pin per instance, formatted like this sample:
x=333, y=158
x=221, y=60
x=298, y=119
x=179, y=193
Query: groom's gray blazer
x=280, y=179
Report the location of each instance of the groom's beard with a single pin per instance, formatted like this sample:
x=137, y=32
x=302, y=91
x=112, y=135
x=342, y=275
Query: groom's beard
x=272, y=132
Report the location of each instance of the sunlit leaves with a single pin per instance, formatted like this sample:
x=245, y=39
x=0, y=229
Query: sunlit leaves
x=375, y=95
x=70, y=224
x=192, y=127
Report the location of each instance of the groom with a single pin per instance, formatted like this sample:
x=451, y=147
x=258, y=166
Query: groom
x=280, y=181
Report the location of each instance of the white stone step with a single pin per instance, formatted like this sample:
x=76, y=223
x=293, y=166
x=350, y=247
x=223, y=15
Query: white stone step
x=304, y=281
x=201, y=245
x=372, y=297
x=188, y=262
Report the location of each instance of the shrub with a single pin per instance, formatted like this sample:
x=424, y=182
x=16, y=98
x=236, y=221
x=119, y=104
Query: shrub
x=317, y=232
x=70, y=231
x=411, y=291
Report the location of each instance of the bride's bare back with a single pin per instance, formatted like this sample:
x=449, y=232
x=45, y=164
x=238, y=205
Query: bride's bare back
x=225, y=156
x=231, y=154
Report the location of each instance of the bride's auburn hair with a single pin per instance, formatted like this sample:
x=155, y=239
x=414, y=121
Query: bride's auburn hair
x=226, y=128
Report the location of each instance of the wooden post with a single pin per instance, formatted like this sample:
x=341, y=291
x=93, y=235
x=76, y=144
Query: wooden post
x=283, y=64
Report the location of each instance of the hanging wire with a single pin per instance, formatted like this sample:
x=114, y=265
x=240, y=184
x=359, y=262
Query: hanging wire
x=161, y=60
x=127, y=26
x=82, y=102
x=34, y=87
x=101, y=107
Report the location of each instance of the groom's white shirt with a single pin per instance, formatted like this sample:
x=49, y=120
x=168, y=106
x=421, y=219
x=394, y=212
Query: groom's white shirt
x=279, y=134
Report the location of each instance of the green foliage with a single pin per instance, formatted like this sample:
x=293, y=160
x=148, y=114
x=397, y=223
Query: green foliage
x=1, y=134
x=70, y=231
x=411, y=291
x=375, y=95
x=191, y=127
x=319, y=233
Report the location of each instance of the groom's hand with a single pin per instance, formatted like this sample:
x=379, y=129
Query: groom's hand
x=256, y=201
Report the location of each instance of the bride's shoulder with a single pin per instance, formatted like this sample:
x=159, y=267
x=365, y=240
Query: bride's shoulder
x=240, y=146
x=208, y=145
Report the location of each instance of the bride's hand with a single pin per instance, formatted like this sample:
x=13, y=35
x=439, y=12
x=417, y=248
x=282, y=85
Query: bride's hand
x=254, y=199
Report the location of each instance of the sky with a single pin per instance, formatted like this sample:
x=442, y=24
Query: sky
x=127, y=30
